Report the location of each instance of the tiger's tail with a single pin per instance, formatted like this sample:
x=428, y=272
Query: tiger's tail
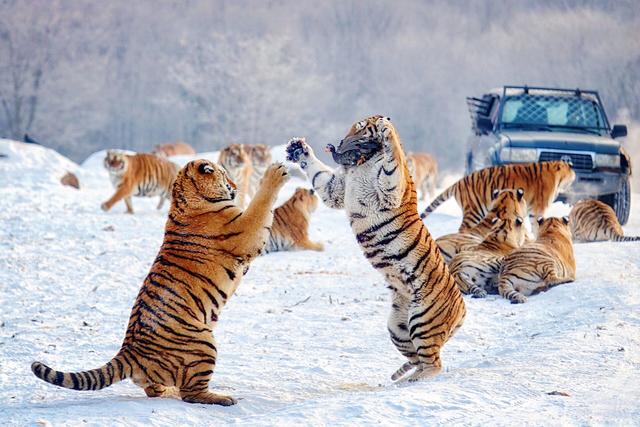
x=117, y=369
x=621, y=238
x=442, y=197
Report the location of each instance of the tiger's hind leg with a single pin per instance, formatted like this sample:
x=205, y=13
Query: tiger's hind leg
x=160, y=203
x=156, y=390
x=127, y=201
x=399, y=334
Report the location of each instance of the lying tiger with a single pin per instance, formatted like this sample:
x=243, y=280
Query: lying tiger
x=541, y=183
x=539, y=265
x=141, y=175
x=595, y=221
x=290, y=230
x=506, y=204
x=208, y=245
x=476, y=270
x=373, y=185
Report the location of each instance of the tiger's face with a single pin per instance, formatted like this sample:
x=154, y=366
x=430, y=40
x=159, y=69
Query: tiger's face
x=508, y=204
x=305, y=199
x=233, y=155
x=260, y=154
x=554, y=226
x=201, y=183
x=567, y=175
x=115, y=161
x=510, y=230
x=362, y=142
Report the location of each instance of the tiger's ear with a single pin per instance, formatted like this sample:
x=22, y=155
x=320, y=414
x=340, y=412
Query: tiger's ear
x=520, y=193
x=494, y=194
x=565, y=219
x=519, y=221
x=205, y=168
x=540, y=220
x=494, y=221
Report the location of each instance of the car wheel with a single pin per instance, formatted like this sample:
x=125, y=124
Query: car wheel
x=620, y=202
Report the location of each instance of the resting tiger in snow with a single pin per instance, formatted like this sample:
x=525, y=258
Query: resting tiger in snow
x=424, y=171
x=290, y=229
x=541, y=183
x=235, y=160
x=141, y=175
x=373, y=185
x=539, y=265
x=208, y=245
x=476, y=269
x=595, y=221
x=506, y=204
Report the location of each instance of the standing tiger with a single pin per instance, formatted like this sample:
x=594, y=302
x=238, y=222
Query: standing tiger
x=506, y=204
x=290, y=229
x=208, y=245
x=594, y=221
x=476, y=269
x=236, y=161
x=541, y=182
x=539, y=265
x=424, y=171
x=141, y=175
x=374, y=187
x=260, y=155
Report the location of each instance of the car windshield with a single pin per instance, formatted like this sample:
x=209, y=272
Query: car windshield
x=552, y=113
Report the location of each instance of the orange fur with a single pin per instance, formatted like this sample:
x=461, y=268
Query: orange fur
x=236, y=161
x=595, y=221
x=174, y=149
x=208, y=245
x=423, y=168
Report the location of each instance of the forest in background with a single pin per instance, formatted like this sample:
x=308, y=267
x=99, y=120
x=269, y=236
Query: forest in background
x=82, y=76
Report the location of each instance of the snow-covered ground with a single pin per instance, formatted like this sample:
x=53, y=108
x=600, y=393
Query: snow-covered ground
x=304, y=341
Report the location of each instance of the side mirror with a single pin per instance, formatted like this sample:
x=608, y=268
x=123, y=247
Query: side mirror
x=485, y=125
x=618, y=131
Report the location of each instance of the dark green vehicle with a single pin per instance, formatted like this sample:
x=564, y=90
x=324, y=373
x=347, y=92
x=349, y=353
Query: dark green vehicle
x=521, y=124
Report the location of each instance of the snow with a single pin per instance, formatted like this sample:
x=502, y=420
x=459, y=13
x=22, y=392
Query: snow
x=303, y=341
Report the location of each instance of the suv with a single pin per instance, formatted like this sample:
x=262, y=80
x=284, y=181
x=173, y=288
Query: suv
x=521, y=124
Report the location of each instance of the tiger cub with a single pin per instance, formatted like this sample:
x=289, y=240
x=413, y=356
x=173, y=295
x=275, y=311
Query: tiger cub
x=208, y=245
x=260, y=155
x=539, y=265
x=476, y=270
x=506, y=204
x=595, y=221
x=541, y=182
x=235, y=160
x=141, y=175
x=424, y=171
x=373, y=185
x=290, y=229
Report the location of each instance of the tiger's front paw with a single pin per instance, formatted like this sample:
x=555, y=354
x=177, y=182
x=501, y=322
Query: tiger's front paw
x=275, y=176
x=518, y=299
x=384, y=127
x=105, y=206
x=298, y=151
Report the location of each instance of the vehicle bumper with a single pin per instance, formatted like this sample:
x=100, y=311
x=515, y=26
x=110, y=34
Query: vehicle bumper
x=593, y=185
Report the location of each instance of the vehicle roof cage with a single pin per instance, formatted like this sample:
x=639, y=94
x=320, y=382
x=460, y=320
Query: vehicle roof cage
x=480, y=107
x=550, y=91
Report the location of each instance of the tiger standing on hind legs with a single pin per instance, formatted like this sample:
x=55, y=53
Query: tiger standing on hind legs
x=208, y=245
x=374, y=186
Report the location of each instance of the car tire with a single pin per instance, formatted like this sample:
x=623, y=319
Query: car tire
x=620, y=202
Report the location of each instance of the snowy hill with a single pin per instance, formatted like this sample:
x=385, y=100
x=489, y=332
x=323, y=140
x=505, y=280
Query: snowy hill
x=303, y=341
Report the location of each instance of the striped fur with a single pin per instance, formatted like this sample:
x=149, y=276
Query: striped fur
x=208, y=245
x=177, y=148
x=235, y=160
x=290, y=230
x=595, y=221
x=380, y=200
x=507, y=204
x=541, y=183
x=140, y=175
x=539, y=265
x=423, y=168
x=476, y=270
x=260, y=155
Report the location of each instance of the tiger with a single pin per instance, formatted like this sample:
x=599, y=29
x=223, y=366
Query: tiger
x=290, y=229
x=505, y=204
x=235, y=160
x=177, y=148
x=381, y=204
x=424, y=171
x=141, y=175
x=260, y=155
x=541, y=182
x=539, y=265
x=595, y=221
x=476, y=270
x=208, y=245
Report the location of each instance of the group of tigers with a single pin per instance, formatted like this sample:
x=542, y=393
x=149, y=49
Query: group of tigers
x=210, y=241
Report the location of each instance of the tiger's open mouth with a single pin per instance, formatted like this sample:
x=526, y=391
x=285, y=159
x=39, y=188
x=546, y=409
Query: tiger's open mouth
x=354, y=150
